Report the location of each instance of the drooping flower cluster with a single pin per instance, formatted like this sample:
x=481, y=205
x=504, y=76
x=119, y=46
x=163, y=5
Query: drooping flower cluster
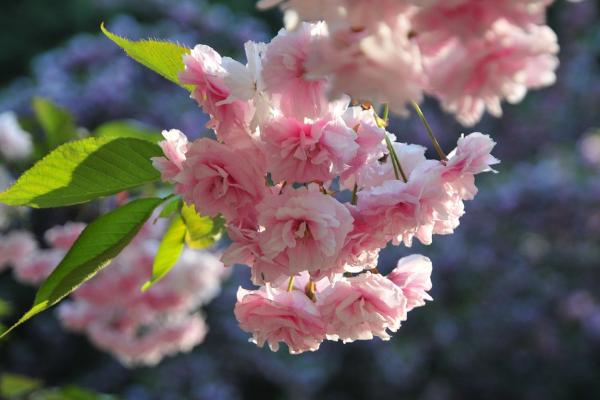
x=283, y=156
x=139, y=328
x=470, y=54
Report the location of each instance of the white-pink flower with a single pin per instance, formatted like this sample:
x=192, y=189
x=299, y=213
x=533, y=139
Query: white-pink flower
x=284, y=73
x=304, y=230
x=15, y=143
x=218, y=179
x=308, y=152
x=174, y=148
x=471, y=156
x=230, y=119
x=273, y=316
x=361, y=307
x=413, y=276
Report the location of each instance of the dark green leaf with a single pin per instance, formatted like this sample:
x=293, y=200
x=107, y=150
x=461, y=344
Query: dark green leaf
x=13, y=386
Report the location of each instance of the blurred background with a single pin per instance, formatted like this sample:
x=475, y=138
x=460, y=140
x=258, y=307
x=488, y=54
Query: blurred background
x=516, y=288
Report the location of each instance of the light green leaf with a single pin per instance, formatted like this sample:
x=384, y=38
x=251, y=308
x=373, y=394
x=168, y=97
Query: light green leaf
x=13, y=386
x=98, y=244
x=169, y=251
x=164, y=58
x=83, y=170
x=56, y=122
x=170, y=208
x=5, y=308
x=131, y=129
x=202, y=232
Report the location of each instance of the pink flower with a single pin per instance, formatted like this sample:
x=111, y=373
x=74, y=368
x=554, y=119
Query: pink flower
x=362, y=307
x=37, y=266
x=63, y=236
x=471, y=156
x=472, y=76
x=204, y=71
x=413, y=276
x=383, y=65
x=284, y=73
x=273, y=316
x=220, y=180
x=308, y=152
x=439, y=21
x=174, y=147
x=15, y=247
x=304, y=230
x=404, y=210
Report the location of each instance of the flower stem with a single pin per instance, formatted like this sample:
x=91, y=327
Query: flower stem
x=354, y=196
x=434, y=140
x=382, y=122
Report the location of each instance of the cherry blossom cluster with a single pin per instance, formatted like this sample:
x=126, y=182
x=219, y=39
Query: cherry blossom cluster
x=139, y=328
x=284, y=164
x=469, y=54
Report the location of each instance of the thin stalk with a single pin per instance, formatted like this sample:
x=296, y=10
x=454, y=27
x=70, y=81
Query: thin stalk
x=398, y=171
x=290, y=284
x=434, y=140
x=354, y=195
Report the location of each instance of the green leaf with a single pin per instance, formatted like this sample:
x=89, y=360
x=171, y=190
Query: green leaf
x=98, y=244
x=13, y=386
x=164, y=58
x=83, y=170
x=131, y=129
x=169, y=251
x=170, y=208
x=202, y=232
x=70, y=393
x=56, y=122
x=5, y=308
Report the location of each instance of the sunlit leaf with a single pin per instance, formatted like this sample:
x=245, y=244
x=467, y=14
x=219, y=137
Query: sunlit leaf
x=168, y=252
x=131, y=129
x=57, y=122
x=98, y=244
x=202, y=232
x=83, y=170
x=170, y=208
x=164, y=58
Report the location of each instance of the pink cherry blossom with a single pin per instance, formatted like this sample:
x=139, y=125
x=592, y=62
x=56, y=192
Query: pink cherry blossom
x=471, y=156
x=220, y=180
x=303, y=229
x=15, y=247
x=383, y=65
x=413, y=276
x=470, y=77
x=37, y=266
x=63, y=236
x=362, y=307
x=284, y=73
x=174, y=148
x=308, y=152
x=205, y=72
x=273, y=316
